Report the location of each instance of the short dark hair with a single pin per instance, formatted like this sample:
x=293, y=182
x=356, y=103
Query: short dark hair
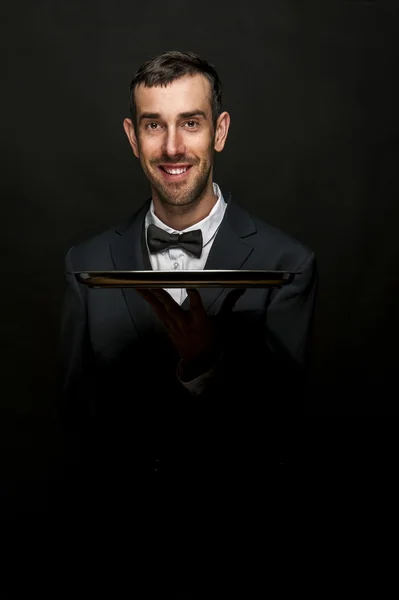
x=171, y=65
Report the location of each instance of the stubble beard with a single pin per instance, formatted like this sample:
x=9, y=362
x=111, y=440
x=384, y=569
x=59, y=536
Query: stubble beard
x=181, y=196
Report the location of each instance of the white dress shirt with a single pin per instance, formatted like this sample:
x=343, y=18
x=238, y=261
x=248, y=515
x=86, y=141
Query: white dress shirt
x=179, y=259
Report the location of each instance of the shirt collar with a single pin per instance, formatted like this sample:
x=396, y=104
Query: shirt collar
x=208, y=226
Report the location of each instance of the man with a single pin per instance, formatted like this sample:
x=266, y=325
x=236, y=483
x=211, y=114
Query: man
x=195, y=382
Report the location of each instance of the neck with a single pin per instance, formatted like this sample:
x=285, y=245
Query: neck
x=181, y=217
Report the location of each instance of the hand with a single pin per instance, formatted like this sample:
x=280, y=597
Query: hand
x=196, y=335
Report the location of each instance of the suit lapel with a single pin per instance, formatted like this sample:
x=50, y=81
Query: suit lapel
x=127, y=255
x=229, y=252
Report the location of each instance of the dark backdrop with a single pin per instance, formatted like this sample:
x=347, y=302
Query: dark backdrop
x=313, y=148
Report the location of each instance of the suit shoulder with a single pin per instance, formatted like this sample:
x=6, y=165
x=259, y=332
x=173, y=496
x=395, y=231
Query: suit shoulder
x=282, y=237
x=94, y=252
x=100, y=241
x=270, y=239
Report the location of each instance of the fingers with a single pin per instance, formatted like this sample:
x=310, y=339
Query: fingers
x=195, y=299
x=167, y=301
x=157, y=297
x=230, y=300
x=153, y=300
x=148, y=296
x=164, y=305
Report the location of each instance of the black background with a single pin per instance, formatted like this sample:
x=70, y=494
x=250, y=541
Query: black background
x=313, y=148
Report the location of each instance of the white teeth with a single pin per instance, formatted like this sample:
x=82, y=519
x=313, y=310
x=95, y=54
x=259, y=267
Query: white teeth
x=176, y=171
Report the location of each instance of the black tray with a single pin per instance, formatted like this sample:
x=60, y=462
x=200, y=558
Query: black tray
x=185, y=279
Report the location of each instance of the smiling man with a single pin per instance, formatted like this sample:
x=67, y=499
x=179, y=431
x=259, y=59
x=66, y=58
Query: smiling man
x=204, y=370
x=174, y=135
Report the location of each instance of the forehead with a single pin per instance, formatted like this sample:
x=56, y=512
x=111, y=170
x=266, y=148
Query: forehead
x=181, y=95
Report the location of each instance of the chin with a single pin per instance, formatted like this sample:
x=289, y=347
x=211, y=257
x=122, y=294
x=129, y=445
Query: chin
x=183, y=200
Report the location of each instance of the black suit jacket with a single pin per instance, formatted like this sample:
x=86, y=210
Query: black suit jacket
x=118, y=380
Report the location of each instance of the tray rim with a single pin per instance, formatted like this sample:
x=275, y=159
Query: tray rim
x=196, y=271
x=240, y=278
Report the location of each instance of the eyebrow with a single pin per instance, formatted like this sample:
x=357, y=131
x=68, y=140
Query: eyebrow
x=183, y=115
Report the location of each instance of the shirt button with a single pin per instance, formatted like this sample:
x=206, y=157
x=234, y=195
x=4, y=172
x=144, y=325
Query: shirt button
x=175, y=265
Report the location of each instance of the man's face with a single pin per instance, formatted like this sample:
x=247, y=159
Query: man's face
x=174, y=130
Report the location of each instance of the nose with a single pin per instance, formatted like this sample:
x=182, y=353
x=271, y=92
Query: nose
x=173, y=143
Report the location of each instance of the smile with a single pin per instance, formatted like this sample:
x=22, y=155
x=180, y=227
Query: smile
x=175, y=174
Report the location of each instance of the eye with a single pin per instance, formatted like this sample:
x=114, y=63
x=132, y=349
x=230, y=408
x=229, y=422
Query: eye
x=148, y=126
x=193, y=123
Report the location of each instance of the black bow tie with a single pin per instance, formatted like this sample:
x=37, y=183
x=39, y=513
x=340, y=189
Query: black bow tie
x=159, y=240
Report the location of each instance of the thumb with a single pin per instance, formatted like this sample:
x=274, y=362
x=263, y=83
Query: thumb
x=195, y=299
x=230, y=300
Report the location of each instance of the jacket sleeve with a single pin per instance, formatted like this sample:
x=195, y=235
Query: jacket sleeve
x=270, y=361
x=290, y=312
x=75, y=377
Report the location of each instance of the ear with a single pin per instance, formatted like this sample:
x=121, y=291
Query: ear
x=222, y=129
x=131, y=136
